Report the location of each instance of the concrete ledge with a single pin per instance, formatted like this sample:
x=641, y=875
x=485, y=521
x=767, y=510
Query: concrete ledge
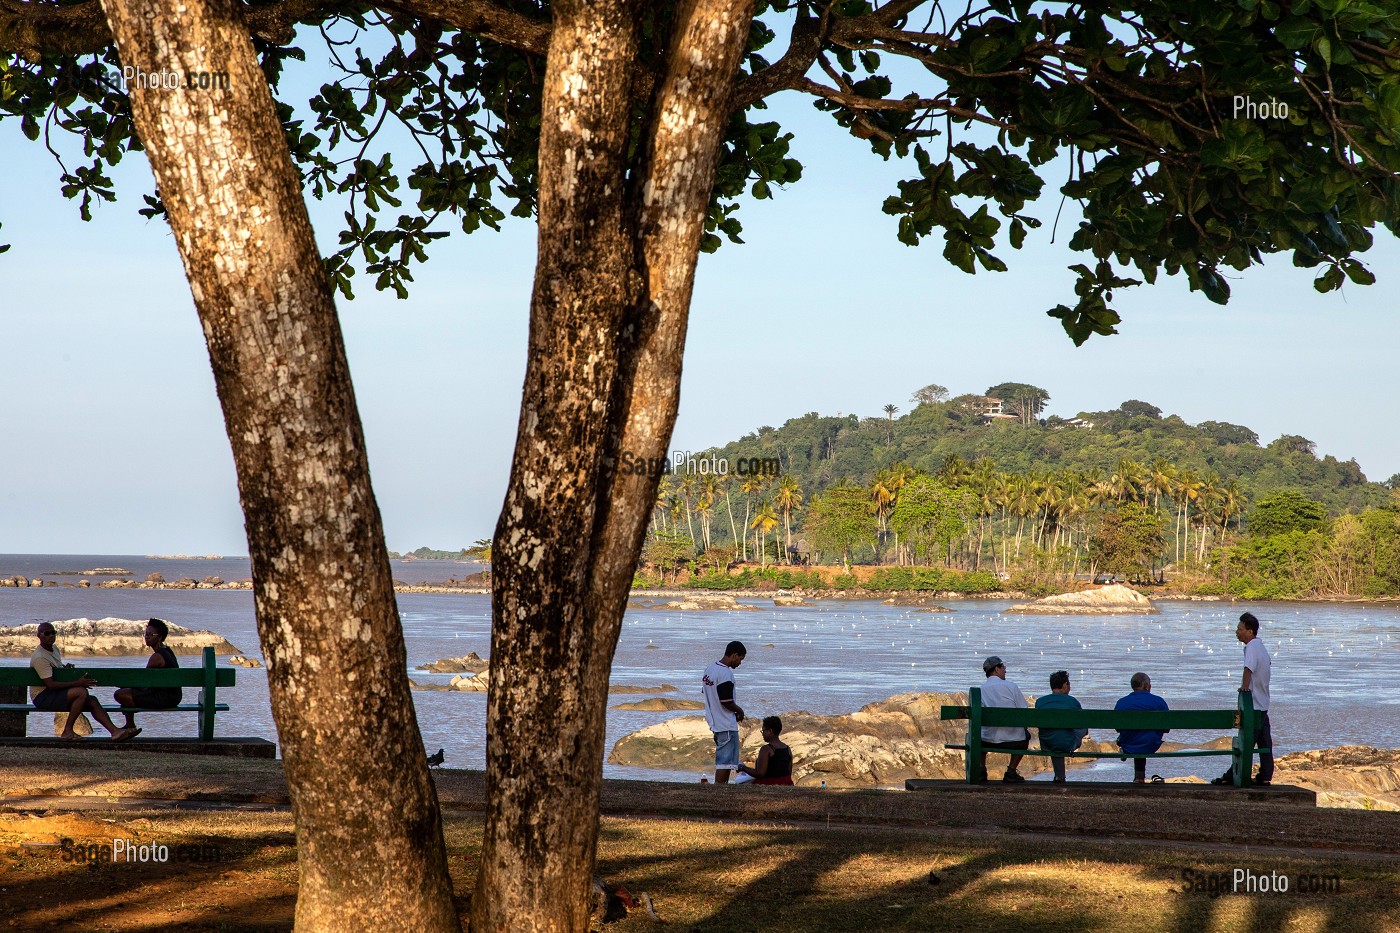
x=1274, y=793
x=223, y=747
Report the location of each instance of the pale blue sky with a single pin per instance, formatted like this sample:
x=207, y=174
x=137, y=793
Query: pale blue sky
x=113, y=441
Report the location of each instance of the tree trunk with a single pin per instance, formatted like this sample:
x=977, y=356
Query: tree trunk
x=369, y=835
x=617, y=252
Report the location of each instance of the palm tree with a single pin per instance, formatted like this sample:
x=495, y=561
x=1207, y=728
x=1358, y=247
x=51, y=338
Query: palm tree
x=1125, y=480
x=788, y=497
x=733, y=529
x=882, y=495
x=749, y=486
x=1188, y=490
x=664, y=490
x=890, y=411
x=764, y=521
x=1161, y=479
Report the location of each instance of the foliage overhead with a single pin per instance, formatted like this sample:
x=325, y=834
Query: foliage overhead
x=1137, y=106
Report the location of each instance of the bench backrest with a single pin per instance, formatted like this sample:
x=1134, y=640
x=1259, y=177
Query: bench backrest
x=1100, y=718
x=11, y=676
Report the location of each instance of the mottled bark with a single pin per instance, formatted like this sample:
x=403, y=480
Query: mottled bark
x=369, y=836
x=617, y=250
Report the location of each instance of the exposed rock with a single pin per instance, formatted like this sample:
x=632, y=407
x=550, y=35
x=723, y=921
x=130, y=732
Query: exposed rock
x=1114, y=599
x=632, y=688
x=934, y=609
x=707, y=602
x=882, y=744
x=212, y=581
x=1351, y=776
x=110, y=637
x=660, y=704
x=155, y=578
x=242, y=661
x=789, y=601
x=469, y=663
x=915, y=599
x=477, y=683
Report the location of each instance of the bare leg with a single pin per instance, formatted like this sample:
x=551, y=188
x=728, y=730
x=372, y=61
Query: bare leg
x=1015, y=762
x=721, y=775
x=98, y=713
x=77, y=702
x=124, y=698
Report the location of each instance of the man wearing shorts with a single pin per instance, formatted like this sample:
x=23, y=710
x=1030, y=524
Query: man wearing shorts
x=721, y=712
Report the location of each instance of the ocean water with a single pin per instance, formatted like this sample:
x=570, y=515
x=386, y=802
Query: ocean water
x=1336, y=675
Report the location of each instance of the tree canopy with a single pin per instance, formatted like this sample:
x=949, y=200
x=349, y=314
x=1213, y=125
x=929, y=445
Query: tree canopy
x=1148, y=103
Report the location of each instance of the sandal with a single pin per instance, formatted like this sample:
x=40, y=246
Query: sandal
x=1223, y=781
x=1157, y=779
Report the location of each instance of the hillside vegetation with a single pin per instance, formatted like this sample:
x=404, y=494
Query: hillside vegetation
x=983, y=485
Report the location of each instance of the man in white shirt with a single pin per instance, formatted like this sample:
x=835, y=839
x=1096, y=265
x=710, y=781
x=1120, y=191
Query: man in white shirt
x=998, y=691
x=1255, y=682
x=721, y=712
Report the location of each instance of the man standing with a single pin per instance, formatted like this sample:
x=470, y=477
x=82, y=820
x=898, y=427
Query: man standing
x=721, y=712
x=998, y=691
x=1141, y=741
x=1256, y=683
x=1060, y=740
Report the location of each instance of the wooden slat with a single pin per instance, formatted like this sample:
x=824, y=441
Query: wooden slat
x=1102, y=718
x=121, y=676
x=182, y=708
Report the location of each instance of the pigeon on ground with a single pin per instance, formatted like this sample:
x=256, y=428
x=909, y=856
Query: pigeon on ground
x=435, y=761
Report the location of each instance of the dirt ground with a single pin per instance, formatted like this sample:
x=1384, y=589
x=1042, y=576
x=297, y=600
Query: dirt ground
x=729, y=859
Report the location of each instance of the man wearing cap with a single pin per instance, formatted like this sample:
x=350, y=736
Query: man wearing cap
x=998, y=691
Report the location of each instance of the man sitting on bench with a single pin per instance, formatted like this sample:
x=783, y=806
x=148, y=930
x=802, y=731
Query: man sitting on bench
x=998, y=691
x=69, y=697
x=1141, y=741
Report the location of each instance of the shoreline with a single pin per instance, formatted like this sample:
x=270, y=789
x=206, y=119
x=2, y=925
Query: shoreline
x=680, y=592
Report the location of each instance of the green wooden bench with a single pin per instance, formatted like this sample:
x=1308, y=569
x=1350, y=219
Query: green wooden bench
x=1244, y=719
x=208, y=678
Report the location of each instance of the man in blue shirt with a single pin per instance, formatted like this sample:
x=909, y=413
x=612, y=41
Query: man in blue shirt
x=1060, y=740
x=1141, y=741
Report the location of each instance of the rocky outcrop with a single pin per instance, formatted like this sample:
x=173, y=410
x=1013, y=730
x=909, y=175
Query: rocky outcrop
x=789, y=601
x=1350, y=776
x=477, y=683
x=660, y=704
x=242, y=661
x=1114, y=599
x=882, y=744
x=633, y=688
x=470, y=663
x=110, y=638
x=706, y=602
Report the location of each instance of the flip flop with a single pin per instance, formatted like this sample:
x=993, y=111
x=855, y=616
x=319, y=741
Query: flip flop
x=1157, y=779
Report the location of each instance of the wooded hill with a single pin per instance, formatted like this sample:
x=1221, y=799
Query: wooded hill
x=823, y=451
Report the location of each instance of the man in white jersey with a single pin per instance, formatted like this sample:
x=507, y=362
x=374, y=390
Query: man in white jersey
x=998, y=691
x=721, y=712
x=1255, y=682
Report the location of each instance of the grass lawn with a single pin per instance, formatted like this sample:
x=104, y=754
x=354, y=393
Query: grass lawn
x=705, y=875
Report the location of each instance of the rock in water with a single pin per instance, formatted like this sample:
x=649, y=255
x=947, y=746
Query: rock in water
x=660, y=704
x=882, y=744
x=470, y=663
x=1115, y=599
x=704, y=602
x=110, y=637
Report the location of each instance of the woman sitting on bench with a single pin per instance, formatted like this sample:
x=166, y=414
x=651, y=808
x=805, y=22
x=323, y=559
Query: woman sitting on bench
x=152, y=697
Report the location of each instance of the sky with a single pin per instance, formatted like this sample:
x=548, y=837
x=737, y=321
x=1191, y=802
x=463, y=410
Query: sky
x=113, y=442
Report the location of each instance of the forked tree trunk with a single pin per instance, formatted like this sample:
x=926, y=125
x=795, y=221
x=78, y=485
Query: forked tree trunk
x=617, y=250
x=369, y=837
